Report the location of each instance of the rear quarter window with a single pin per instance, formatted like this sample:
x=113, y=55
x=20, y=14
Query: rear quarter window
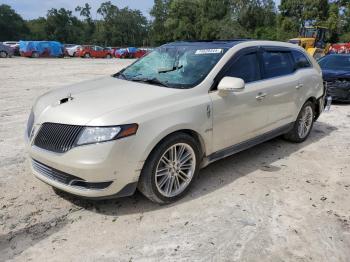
x=300, y=59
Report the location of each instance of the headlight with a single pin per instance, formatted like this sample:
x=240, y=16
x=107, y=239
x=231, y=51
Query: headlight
x=91, y=135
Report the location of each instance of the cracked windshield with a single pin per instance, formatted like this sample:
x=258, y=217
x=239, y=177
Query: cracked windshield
x=175, y=67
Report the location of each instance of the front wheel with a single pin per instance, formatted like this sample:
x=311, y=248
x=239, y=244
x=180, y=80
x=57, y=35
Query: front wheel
x=3, y=54
x=170, y=169
x=303, y=125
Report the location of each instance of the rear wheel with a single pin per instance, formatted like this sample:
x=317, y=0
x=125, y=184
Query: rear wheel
x=35, y=55
x=87, y=55
x=3, y=54
x=170, y=169
x=303, y=125
x=108, y=56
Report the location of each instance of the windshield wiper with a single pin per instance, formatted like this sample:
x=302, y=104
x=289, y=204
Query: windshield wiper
x=154, y=81
x=162, y=71
x=121, y=75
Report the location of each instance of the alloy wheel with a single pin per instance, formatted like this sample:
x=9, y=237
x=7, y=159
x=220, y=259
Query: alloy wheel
x=3, y=54
x=175, y=170
x=305, y=122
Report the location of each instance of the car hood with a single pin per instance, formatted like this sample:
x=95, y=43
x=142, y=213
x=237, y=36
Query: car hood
x=82, y=103
x=329, y=74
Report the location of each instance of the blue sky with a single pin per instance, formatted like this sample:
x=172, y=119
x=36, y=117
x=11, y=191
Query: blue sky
x=34, y=8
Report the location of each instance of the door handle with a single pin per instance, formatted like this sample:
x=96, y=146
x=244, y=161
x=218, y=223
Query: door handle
x=299, y=86
x=261, y=96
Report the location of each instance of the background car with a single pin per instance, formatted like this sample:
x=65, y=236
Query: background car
x=130, y=52
x=336, y=73
x=341, y=48
x=113, y=49
x=5, y=51
x=14, y=45
x=89, y=51
x=72, y=50
x=37, y=49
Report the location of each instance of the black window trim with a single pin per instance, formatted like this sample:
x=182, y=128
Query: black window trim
x=307, y=58
x=259, y=49
x=280, y=49
x=288, y=49
x=231, y=61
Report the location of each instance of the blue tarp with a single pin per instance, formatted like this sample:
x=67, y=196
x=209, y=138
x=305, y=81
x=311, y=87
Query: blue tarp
x=129, y=50
x=121, y=51
x=44, y=48
x=132, y=50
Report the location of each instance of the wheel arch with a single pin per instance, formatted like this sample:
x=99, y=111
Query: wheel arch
x=317, y=108
x=4, y=51
x=187, y=131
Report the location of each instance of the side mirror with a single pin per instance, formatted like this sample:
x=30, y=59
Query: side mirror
x=231, y=84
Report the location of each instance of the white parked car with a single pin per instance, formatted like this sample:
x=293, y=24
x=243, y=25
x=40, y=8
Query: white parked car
x=14, y=45
x=72, y=50
x=153, y=125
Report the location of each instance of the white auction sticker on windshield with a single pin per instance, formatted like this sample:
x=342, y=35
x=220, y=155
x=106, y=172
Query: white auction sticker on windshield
x=208, y=51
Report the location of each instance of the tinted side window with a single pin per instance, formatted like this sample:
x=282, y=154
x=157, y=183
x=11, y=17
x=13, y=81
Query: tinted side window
x=277, y=63
x=301, y=60
x=246, y=67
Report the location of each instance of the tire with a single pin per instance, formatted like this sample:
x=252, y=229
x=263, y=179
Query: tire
x=156, y=188
x=109, y=56
x=73, y=54
x=306, y=117
x=35, y=55
x=3, y=54
x=87, y=55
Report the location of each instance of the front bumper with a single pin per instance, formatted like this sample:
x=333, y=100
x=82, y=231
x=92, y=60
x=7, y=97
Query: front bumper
x=102, y=170
x=339, y=90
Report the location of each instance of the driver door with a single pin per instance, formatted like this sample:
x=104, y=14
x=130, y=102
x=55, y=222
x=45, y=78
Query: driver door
x=241, y=115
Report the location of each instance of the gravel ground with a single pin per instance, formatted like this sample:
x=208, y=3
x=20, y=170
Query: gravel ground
x=275, y=202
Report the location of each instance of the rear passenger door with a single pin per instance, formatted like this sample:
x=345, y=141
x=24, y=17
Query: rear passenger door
x=281, y=83
x=307, y=78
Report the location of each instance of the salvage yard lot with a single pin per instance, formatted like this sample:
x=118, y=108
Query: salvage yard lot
x=275, y=202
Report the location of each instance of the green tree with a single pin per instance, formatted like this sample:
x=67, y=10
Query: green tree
x=62, y=26
x=106, y=29
x=37, y=28
x=182, y=19
x=121, y=27
x=88, y=25
x=12, y=26
x=159, y=12
x=212, y=16
x=303, y=12
x=257, y=17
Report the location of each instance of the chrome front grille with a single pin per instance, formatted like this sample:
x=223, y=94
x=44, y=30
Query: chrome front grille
x=57, y=138
x=54, y=174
